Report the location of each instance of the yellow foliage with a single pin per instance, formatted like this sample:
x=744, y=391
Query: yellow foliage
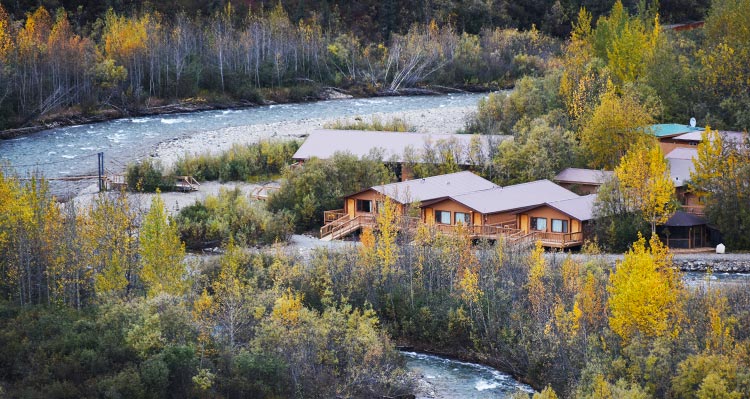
x=162, y=252
x=386, y=249
x=537, y=272
x=645, y=293
x=287, y=308
x=646, y=185
x=616, y=125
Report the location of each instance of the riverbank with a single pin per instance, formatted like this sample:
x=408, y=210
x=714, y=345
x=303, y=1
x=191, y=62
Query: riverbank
x=432, y=120
x=463, y=355
x=699, y=262
x=75, y=116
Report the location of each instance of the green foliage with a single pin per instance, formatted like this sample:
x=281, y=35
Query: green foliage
x=395, y=124
x=722, y=170
x=253, y=162
x=615, y=224
x=319, y=186
x=539, y=150
x=161, y=252
x=531, y=98
x=147, y=176
x=230, y=215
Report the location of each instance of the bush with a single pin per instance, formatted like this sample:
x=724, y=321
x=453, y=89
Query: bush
x=252, y=162
x=214, y=221
x=147, y=176
x=321, y=184
x=395, y=124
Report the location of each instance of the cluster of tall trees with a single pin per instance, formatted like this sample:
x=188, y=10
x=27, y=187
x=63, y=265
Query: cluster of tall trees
x=619, y=74
x=577, y=324
x=110, y=282
x=125, y=61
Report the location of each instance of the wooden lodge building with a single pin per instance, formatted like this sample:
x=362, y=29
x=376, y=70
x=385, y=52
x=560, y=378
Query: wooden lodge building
x=536, y=210
x=583, y=181
x=400, y=149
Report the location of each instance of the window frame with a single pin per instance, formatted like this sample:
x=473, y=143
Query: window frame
x=439, y=215
x=533, y=223
x=564, y=223
x=467, y=218
x=358, y=202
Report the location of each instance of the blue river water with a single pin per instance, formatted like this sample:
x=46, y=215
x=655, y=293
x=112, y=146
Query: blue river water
x=71, y=150
x=445, y=378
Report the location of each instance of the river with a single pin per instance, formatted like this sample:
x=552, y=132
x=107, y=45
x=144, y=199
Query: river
x=71, y=150
x=442, y=378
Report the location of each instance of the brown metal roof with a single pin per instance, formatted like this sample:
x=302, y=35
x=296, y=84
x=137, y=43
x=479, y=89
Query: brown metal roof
x=585, y=176
x=430, y=188
x=391, y=146
x=503, y=199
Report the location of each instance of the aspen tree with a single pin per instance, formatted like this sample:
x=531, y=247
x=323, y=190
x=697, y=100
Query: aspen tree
x=162, y=252
x=646, y=185
x=645, y=293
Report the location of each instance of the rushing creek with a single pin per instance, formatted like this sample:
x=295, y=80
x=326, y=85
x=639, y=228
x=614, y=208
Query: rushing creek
x=445, y=378
x=71, y=150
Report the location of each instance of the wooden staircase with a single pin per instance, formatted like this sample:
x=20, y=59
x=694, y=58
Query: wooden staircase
x=344, y=226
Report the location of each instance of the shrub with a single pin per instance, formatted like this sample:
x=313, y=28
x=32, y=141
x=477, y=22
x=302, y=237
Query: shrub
x=394, y=124
x=147, y=176
x=252, y=162
x=214, y=221
x=321, y=184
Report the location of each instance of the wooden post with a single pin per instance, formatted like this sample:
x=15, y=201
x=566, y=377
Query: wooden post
x=100, y=159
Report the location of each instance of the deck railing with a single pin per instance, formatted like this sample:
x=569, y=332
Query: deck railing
x=697, y=210
x=339, y=224
x=561, y=239
x=330, y=216
x=344, y=225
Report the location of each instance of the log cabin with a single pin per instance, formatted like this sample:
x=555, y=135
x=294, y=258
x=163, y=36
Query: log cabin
x=483, y=209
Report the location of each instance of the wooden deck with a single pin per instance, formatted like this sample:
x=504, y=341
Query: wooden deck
x=339, y=225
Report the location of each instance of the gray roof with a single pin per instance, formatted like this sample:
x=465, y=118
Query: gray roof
x=683, y=153
x=696, y=136
x=502, y=199
x=581, y=208
x=324, y=144
x=684, y=219
x=679, y=170
x=585, y=176
x=434, y=187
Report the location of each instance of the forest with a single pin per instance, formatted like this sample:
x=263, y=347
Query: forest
x=65, y=59
x=105, y=299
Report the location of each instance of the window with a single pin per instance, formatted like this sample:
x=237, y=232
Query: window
x=462, y=218
x=443, y=217
x=559, y=226
x=364, y=206
x=539, y=224
x=379, y=206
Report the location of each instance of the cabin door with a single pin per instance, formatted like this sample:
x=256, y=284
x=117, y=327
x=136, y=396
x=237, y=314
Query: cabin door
x=429, y=216
x=350, y=207
x=477, y=219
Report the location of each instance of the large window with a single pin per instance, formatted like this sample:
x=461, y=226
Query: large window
x=443, y=217
x=462, y=218
x=559, y=226
x=539, y=224
x=364, y=206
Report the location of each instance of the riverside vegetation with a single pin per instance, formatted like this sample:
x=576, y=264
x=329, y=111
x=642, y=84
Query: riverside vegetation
x=101, y=302
x=86, y=313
